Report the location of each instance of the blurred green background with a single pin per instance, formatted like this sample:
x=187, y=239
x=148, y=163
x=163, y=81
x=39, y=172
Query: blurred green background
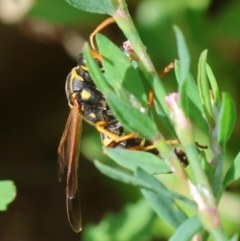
x=39, y=44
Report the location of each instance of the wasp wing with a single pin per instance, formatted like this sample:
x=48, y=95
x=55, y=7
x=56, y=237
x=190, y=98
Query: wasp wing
x=74, y=212
x=68, y=155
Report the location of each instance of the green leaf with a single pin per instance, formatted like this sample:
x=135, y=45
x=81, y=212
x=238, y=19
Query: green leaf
x=95, y=72
x=121, y=176
x=131, y=118
x=132, y=159
x=226, y=119
x=120, y=72
x=7, y=194
x=233, y=172
x=133, y=223
x=184, y=65
x=138, y=181
x=194, y=101
x=56, y=11
x=184, y=98
x=166, y=208
x=203, y=86
x=162, y=118
x=183, y=55
x=93, y=6
x=214, y=85
x=187, y=229
x=195, y=105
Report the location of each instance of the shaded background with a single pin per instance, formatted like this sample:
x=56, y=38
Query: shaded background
x=39, y=43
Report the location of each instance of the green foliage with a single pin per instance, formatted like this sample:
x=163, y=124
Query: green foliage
x=203, y=85
x=119, y=71
x=199, y=102
x=194, y=101
x=233, y=173
x=56, y=11
x=166, y=208
x=226, y=120
x=184, y=65
x=142, y=179
x=7, y=194
x=123, y=227
x=103, y=6
x=146, y=128
x=187, y=229
x=133, y=159
x=214, y=116
x=183, y=55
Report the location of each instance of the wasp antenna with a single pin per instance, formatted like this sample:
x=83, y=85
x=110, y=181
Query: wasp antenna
x=102, y=25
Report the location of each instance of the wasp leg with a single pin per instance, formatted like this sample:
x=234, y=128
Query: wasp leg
x=166, y=70
x=96, y=55
x=173, y=142
x=144, y=145
x=150, y=97
x=102, y=25
x=176, y=142
x=100, y=126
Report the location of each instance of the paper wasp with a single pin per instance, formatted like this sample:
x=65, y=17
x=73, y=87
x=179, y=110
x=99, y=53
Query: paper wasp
x=88, y=103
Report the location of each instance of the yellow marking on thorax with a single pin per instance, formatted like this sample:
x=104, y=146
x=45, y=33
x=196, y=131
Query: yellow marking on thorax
x=85, y=94
x=85, y=68
x=74, y=75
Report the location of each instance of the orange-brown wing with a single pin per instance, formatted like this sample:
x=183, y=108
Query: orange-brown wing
x=74, y=212
x=68, y=155
x=63, y=148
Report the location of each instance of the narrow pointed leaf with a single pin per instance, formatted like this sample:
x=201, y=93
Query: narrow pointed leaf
x=133, y=159
x=194, y=101
x=166, y=208
x=131, y=118
x=187, y=229
x=100, y=6
x=226, y=119
x=140, y=182
x=119, y=70
x=183, y=55
x=158, y=187
x=163, y=119
x=95, y=72
x=214, y=85
x=233, y=172
x=203, y=86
